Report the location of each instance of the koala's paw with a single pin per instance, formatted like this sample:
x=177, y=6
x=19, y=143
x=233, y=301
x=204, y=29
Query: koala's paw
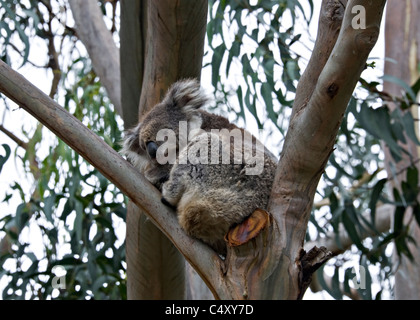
x=166, y=203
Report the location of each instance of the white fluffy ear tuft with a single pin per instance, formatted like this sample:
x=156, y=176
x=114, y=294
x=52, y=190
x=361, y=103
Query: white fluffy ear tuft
x=131, y=140
x=131, y=148
x=187, y=95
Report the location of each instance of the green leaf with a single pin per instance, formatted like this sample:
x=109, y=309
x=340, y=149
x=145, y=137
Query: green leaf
x=68, y=208
x=409, y=126
x=402, y=84
x=376, y=193
x=295, y=39
x=4, y=158
x=17, y=24
x=410, y=187
x=250, y=103
x=216, y=62
x=49, y=205
x=416, y=212
x=4, y=26
x=233, y=52
x=335, y=285
x=78, y=221
x=398, y=219
x=397, y=126
x=292, y=70
x=266, y=90
x=350, y=222
x=246, y=66
x=320, y=276
x=378, y=123
x=416, y=87
x=241, y=102
x=22, y=216
x=68, y=260
x=365, y=293
x=34, y=17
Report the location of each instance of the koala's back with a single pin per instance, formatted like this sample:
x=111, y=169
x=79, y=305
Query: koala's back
x=212, y=197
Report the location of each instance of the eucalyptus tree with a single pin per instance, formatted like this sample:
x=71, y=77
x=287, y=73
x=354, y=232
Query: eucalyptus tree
x=322, y=131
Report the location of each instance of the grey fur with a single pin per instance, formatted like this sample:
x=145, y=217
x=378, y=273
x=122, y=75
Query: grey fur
x=210, y=198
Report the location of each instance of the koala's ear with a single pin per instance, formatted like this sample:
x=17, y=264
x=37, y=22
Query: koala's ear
x=131, y=142
x=187, y=95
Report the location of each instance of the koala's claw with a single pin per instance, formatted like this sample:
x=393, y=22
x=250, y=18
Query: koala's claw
x=166, y=203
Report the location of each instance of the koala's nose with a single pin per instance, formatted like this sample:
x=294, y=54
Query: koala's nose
x=152, y=149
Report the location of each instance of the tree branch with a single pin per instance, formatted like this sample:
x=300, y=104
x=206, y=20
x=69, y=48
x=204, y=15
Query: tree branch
x=175, y=43
x=103, y=52
x=382, y=224
x=111, y=165
x=12, y=136
x=312, y=132
x=329, y=26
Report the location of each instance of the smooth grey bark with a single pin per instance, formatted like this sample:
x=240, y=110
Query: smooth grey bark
x=402, y=47
x=133, y=30
x=312, y=131
x=103, y=52
x=155, y=268
x=161, y=42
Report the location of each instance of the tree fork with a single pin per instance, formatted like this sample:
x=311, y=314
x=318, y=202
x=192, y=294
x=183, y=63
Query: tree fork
x=314, y=125
x=271, y=265
x=116, y=169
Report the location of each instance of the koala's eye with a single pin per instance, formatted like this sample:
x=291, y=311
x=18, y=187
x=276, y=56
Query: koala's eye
x=152, y=149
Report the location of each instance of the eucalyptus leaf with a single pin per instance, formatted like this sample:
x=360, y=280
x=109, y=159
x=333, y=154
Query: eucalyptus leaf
x=4, y=158
x=402, y=84
x=409, y=126
x=376, y=193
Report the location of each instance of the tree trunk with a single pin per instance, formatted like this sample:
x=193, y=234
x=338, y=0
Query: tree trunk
x=103, y=52
x=161, y=42
x=133, y=28
x=402, y=39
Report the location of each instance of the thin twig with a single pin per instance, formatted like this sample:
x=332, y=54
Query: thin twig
x=12, y=136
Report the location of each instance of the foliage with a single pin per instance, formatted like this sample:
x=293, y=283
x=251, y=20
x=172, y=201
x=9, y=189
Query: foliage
x=74, y=218
x=256, y=39
x=254, y=53
x=76, y=212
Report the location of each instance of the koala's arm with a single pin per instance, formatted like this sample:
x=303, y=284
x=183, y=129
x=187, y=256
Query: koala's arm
x=174, y=188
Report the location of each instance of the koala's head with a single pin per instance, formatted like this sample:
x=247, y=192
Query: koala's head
x=141, y=145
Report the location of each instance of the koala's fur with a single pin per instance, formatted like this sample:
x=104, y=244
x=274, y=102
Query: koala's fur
x=210, y=198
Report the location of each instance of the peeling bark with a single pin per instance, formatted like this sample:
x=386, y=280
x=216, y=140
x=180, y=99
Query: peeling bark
x=310, y=262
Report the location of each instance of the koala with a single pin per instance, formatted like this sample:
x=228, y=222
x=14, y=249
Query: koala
x=214, y=173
